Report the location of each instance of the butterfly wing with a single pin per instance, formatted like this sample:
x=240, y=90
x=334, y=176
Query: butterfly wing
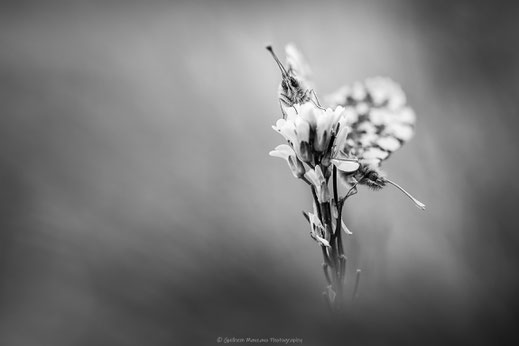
x=298, y=66
x=379, y=118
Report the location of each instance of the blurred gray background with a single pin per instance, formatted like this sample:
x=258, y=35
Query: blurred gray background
x=139, y=206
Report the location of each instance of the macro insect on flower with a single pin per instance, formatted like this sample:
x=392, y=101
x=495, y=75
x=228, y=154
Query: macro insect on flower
x=381, y=124
x=363, y=125
x=294, y=87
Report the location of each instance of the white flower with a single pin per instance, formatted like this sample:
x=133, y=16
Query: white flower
x=316, y=178
x=326, y=121
x=285, y=152
x=307, y=121
x=287, y=129
x=296, y=131
x=322, y=122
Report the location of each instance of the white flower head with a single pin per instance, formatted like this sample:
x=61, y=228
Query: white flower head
x=296, y=130
x=285, y=152
x=310, y=121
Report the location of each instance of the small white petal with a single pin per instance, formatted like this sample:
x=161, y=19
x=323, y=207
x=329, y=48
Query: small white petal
x=320, y=174
x=307, y=112
x=323, y=130
x=312, y=177
x=346, y=165
x=302, y=130
x=292, y=112
x=322, y=241
x=287, y=129
x=344, y=228
x=283, y=151
x=315, y=222
x=315, y=176
x=340, y=139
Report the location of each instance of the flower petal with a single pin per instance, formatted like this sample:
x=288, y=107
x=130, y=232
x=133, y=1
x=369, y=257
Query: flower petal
x=282, y=151
x=302, y=130
x=344, y=228
x=321, y=240
x=287, y=129
x=315, y=222
x=346, y=165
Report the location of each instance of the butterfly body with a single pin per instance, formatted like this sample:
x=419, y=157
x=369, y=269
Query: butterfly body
x=292, y=91
x=294, y=87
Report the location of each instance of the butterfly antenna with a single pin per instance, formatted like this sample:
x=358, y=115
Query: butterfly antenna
x=419, y=204
x=281, y=67
x=353, y=188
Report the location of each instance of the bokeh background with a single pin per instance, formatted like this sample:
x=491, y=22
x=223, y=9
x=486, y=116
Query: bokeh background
x=139, y=206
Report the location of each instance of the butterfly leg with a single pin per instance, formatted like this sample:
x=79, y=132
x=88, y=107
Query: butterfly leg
x=282, y=110
x=285, y=101
x=353, y=190
x=288, y=103
x=316, y=102
x=312, y=91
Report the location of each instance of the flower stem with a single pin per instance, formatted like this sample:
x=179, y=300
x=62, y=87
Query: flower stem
x=337, y=242
x=326, y=257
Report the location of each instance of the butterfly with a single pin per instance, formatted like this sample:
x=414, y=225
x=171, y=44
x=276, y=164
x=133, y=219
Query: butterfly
x=379, y=119
x=380, y=122
x=295, y=87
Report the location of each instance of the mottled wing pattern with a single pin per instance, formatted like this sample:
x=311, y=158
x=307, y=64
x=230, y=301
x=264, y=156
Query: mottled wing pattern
x=379, y=118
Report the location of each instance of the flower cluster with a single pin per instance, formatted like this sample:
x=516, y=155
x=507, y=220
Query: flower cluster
x=316, y=151
x=365, y=124
x=316, y=140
